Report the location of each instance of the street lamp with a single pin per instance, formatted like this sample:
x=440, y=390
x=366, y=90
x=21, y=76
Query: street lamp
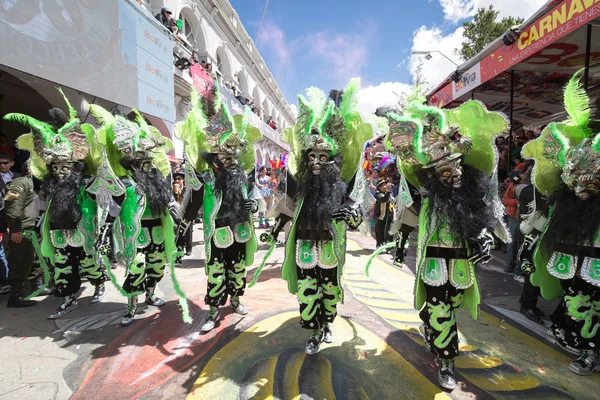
x=428, y=55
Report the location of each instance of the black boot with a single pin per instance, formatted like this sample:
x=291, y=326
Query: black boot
x=17, y=300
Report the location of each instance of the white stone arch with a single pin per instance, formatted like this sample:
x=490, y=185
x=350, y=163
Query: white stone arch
x=266, y=107
x=243, y=81
x=257, y=97
x=223, y=60
x=280, y=122
x=190, y=25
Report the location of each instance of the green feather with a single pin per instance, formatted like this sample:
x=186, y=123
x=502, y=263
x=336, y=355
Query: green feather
x=377, y=252
x=72, y=111
x=317, y=101
x=101, y=115
x=226, y=135
x=262, y=265
x=185, y=310
x=242, y=132
x=576, y=101
x=418, y=145
x=349, y=98
x=596, y=143
x=46, y=130
x=330, y=109
x=312, y=115
x=562, y=141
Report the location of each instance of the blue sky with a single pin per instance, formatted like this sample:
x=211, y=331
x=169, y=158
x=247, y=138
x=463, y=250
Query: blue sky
x=331, y=41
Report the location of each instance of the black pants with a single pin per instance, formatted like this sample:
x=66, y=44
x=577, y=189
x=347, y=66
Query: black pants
x=318, y=295
x=382, y=226
x=530, y=294
x=71, y=265
x=20, y=262
x=189, y=237
x=226, y=274
x=438, y=317
x=576, y=320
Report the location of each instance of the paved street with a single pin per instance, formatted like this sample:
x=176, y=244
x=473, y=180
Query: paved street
x=376, y=354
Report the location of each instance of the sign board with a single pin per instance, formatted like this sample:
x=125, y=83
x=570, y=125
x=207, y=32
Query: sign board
x=110, y=49
x=468, y=80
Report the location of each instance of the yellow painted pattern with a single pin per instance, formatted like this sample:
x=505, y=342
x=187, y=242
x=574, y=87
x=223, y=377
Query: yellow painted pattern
x=485, y=370
x=355, y=350
x=290, y=381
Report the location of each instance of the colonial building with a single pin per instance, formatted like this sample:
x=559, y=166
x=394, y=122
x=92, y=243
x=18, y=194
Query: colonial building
x=213, y=31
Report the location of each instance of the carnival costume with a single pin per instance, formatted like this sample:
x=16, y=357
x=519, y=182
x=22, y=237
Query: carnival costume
x=449, y=155
x=561, y=249
x=219, y=152
x=133, y=193
x=326, y=147
x=65, y=155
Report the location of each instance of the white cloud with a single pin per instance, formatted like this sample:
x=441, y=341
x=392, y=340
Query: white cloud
x=384, y=94
x=438, y=67
x=457, y=10
x=274, y=36
x=343, y=55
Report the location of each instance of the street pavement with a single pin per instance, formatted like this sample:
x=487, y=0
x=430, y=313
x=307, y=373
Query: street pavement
x=377, y=352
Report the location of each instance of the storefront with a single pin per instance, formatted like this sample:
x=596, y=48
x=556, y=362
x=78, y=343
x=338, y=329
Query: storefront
x=525, y=80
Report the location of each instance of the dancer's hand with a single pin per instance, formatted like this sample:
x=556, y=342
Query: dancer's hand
x=251, y=206
x=482, y=249
x=268, y=238
x=349, y=215
x=526, y=252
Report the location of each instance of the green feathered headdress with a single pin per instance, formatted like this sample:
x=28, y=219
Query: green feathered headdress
x=209, y=127
x=565, y=149
x=64, y=139
x=322, y=125
x=122, y=138
x=424, y=136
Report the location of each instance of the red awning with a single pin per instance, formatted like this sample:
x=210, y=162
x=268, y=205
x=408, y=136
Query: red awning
x=548, y=52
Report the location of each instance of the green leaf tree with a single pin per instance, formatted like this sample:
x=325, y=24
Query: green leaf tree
x=482, y=30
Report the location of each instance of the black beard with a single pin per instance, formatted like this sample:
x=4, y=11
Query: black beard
x=156, y=189
x=229, y=184
x=64, y=196
x=323, y=195
x=463, y=209
x=573, y=221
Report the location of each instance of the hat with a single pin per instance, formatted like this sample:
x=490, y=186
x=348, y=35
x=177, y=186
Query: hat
x=381, y=182
x=166, y=9
x=178, y=172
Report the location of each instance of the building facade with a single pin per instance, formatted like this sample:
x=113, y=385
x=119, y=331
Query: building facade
x=212, y=32
x=115, y=53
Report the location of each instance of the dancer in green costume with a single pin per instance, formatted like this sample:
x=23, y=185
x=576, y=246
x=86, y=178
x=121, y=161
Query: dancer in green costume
x=65, y=155
x=561, y=249
x=449, y=155
x=133, y=193
x=219, y=152
x=327, y=184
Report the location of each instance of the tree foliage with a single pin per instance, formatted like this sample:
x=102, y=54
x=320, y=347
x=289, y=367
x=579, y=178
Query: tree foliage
x=482, y=30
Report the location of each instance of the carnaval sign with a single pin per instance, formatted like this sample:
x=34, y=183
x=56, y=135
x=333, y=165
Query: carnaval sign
x=110, y=49
x=536, y=45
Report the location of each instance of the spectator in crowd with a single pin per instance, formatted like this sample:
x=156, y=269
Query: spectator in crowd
x=264, y=185
x=6, y=176
x=166, y=19
x=373, y=181
x=179, y=192
x=19, y=202
x=6, y=164
x=6, y=148
x=503, y=159
x=203, y=64
x=511, y=209
x=526, y=194
x=383, y=212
